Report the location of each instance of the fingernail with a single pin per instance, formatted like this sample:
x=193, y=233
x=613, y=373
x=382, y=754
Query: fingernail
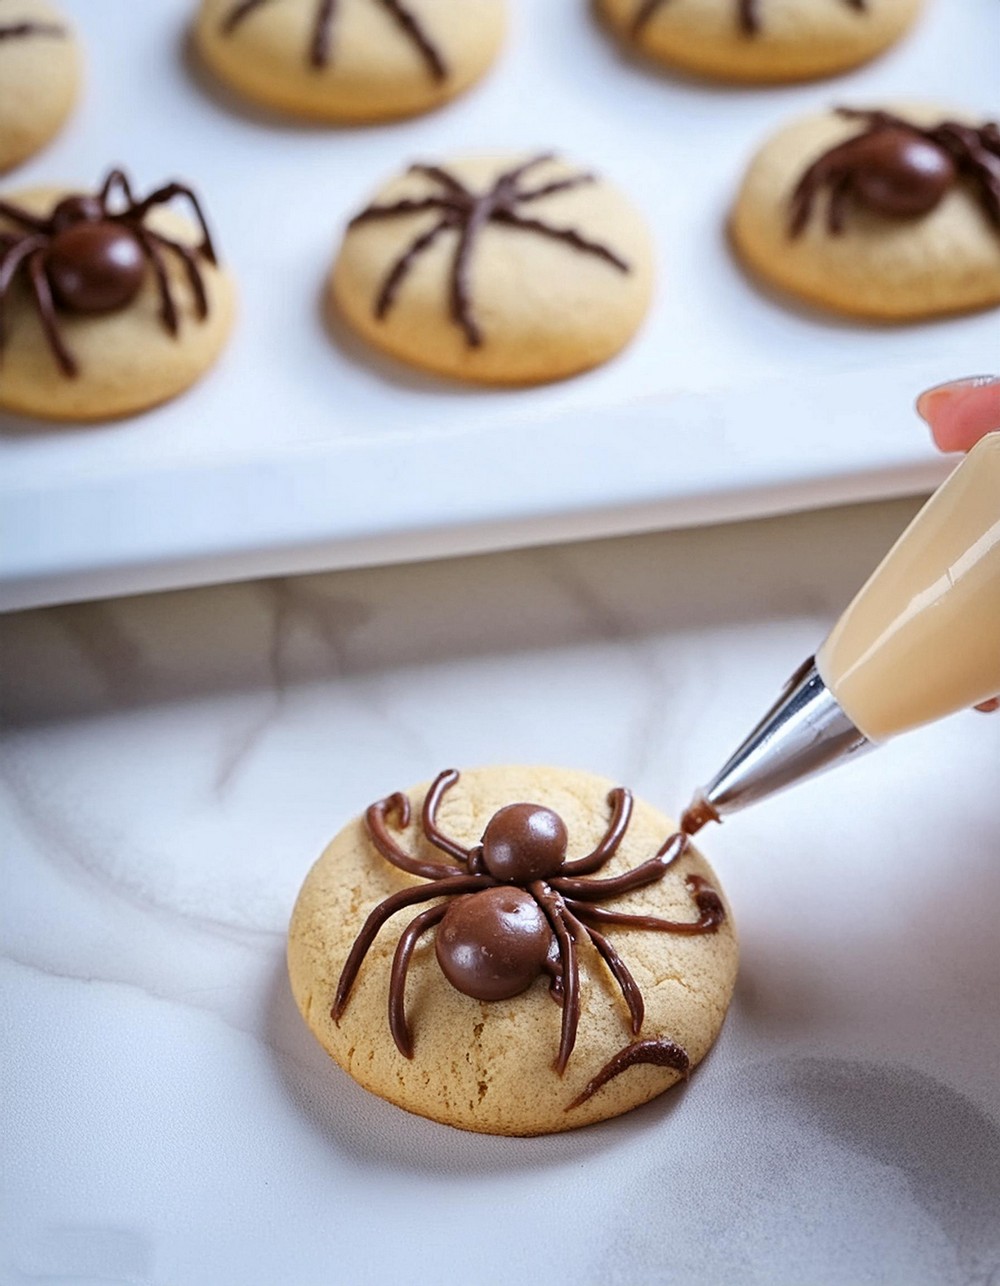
x=926, y=400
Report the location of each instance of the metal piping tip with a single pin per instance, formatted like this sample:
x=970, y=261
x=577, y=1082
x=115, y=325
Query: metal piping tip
x=804, y=732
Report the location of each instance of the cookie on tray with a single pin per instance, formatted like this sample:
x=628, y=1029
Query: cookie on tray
x=760, y=40
x=39, y=77
x=892, y=215
x=497, y=269
x=357, y=60
x=112, y=302
x=513, y=950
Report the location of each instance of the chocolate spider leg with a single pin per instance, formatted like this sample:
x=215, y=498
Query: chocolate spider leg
x=510, y=178
x=13, y=255
x=428, y=820
x=16, y=30
x=647, y=872
x=29, y=222
x=619, y=971
x=712, y=913
x=322, y=34
x=47, y=313
x=394, y=277
x=119, y=179
x=384, y=911
x=440, y=175
x=569, y=235
x=460, y=296
x=749, y=18
x=551, y=904
x=375, y=819
x=642, y=16
x=409, y=205
x=398, y=1025
x=168, y=309
x=660, y=1052
x=557, y=185
x=167, y=193
x=238, y=12
x=621, y=814
x=977, y=154
x=410, y=25
x=190, y=261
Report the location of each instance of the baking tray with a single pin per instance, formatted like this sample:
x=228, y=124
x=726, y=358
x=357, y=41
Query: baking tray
x=304, y=450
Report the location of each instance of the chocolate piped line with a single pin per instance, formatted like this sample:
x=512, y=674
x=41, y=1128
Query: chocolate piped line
x=418, y=926
x=659, y=1053
x=747, y=15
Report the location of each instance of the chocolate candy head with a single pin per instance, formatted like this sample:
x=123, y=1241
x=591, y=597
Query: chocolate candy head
x=494, y=944
x=95, y=267
x=899, y=173
x=524, y=842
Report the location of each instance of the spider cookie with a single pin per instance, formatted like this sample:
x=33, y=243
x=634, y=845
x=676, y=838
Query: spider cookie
x=502, y=270
x=112, y=303
x=760, y=40
x=885, y=215
x=39, y=77
x=513, y=950
x=355, y=60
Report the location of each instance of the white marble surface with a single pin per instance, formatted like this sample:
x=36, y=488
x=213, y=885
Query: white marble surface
x=171, y=766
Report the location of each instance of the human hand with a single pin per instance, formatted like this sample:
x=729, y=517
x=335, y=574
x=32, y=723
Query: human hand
x=960, y=413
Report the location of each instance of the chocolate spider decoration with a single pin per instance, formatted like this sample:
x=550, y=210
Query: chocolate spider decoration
x=466, y=213
x=86, y=258
x=18, y=30
x=899, y=169
x=321, y=42
x=747, y=14
x=516, y=907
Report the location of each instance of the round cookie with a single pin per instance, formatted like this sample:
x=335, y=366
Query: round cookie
x=497, y=269
x=39, y=77
x=358, y=60
x=898, y=224
x=486, y=1036
x=764, y=41
x=92, y=331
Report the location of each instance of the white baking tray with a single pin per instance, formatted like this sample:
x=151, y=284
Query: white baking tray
x=304, y=450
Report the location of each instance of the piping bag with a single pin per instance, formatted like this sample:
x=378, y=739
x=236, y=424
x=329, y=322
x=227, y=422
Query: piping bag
x=920, y=641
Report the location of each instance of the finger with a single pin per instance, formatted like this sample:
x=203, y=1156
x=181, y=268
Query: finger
x=962, y=412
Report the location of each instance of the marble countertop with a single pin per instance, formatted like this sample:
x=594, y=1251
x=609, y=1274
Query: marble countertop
x=172, y=765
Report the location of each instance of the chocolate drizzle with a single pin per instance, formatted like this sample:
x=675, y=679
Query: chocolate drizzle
x=461, y=211
x=84, y=257
x=747, y=15
x=320, y=53
x=660, y=1053
x=522, y=910
x=899, y=170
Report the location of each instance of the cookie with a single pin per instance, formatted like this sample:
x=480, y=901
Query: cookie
x=760, y=40
x=358, y=60
x=112, y=302
x=513, y=951
x=39, y=77
x=888, y=215
x=499, y=269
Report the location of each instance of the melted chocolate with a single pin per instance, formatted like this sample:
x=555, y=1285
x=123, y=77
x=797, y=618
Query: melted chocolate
x=747, y=15
x=659, y=1053
x=899, y=170
x=524, y=909
x=87, y=258
x=320, y=52
x=466, y=213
